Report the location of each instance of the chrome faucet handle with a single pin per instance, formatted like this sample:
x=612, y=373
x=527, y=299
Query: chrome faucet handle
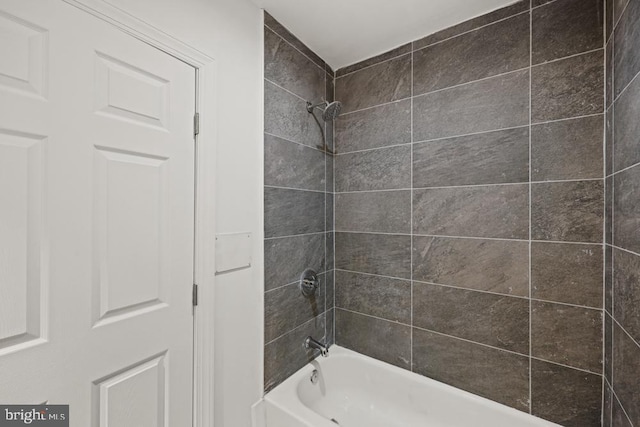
x=309, y=282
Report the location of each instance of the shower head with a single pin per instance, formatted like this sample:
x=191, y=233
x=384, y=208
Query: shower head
x=330, y=110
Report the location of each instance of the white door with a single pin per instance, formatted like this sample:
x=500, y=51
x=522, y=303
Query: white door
x=96, y=219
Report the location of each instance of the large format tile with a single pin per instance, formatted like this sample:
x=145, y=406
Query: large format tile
x=286, y=308
x=626, y=209
x=286, y=116
x=500, y=266
x=567, y=211
x=626, y=373
x=488, y=51
x=287, y=164
x=472, y=24
x=567, y=334
x=626, y=127
x=495, y=374
x=290, y=69
x=404, y=49
x=486, y=211
x=272, y=23
x=384, y=211
x=379, y=84
x=565, y=396
x=288, y=212
x=618, y=416
x=567, y=88
x=284, y=356
x=626, y=291
x=286, y=258
x=496, y=320
x=381, y=339
x=495, y=103
x=566, y=27
x=388, y=124
x=567, y=273
x=627, y=47
x=383, y=254
x=568, y=149
x=374, y=295
x=380, y=169
x=487, y=158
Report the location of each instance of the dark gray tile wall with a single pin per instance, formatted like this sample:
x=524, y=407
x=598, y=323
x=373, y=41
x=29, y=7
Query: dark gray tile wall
x=622, y=236
x=470, y=211
x=298, y=202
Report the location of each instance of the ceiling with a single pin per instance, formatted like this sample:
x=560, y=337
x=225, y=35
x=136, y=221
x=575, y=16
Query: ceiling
x=343, y=32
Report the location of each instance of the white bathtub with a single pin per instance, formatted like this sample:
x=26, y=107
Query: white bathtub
x=358, y=391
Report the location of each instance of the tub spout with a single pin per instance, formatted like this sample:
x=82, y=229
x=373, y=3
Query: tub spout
x=311, y=343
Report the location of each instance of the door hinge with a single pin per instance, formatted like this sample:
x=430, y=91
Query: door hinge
x=196, y=124
x=195, y=295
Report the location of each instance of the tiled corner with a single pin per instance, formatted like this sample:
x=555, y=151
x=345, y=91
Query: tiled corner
x=626, y=45
x=627, y=127
x=381, y=169
x=626, y=209
x=376, y=127
x=564, y=395
x=626, y=291
x=285, y=355
x=375, y=211
x=381, y=83
x=626, y=372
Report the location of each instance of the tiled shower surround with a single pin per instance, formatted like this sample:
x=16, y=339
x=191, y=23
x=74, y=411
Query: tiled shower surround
x=470, y=213
x=298, y=202
x=469, y=208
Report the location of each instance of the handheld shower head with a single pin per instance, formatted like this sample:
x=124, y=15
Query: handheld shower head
x=330, y=110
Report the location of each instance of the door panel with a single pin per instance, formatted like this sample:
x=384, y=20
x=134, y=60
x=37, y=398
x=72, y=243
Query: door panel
x=96, y=219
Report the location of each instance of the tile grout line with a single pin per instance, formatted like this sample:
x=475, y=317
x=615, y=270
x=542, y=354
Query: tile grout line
x=326, y=146
x=604, y=222
x=466, y=32
x=624, y=89
x=280, y=187
x=294, y=235
x=575, y=55
x=444, y=236
x=454, y=136
x=284, y=89
x=411, y=212
x=530, y=207
x=293, y=46
x=295, y=142
x=465, y=288
x=497, y=184
x=374, y=64
x=333, y=225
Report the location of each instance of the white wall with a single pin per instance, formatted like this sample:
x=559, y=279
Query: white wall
x=231, y=32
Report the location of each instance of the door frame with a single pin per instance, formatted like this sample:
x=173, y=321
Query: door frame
x=205, y=191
